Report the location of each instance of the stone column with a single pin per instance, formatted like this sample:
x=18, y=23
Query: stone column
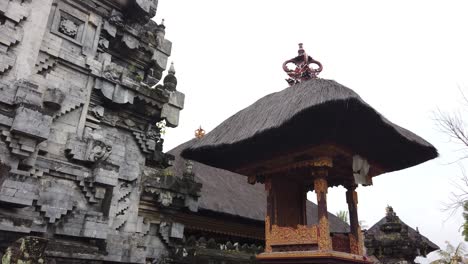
x=355, y=235
x=324, y=239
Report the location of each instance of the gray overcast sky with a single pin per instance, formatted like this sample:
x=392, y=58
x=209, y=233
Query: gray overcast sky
x=405, y=58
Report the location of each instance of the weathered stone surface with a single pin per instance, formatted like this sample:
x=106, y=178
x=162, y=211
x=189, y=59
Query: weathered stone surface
x=53, y=98
x=391, y=241
x=32, y=123
x=27, y=250
x=77, y=130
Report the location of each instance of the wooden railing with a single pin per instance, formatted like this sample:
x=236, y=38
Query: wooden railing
x=299, y=238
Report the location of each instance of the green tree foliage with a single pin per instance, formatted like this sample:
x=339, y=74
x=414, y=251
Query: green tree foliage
x=465, y=216
x=343, y=216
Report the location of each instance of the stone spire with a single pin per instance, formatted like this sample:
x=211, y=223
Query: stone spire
x=170, y=81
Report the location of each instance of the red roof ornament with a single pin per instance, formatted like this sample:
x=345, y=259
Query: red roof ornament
x=303, y=71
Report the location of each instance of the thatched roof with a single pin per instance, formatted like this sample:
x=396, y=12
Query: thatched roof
x=376, y=232
x=229, y=193
x=307, y=114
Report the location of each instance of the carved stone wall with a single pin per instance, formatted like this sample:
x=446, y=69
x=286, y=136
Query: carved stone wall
x=81, y=89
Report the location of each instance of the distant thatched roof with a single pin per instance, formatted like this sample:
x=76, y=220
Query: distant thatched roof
x=376, y=232
x=229, y=193
x=306, y=114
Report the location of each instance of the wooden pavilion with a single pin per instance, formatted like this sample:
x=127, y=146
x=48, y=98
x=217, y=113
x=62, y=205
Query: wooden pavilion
x=311, y=136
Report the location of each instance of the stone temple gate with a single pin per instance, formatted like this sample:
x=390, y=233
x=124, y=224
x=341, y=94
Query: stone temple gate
x=81, y=91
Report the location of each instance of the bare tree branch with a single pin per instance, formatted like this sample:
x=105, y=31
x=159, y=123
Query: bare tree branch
x=453, y=126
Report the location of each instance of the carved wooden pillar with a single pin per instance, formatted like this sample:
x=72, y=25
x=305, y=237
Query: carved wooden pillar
x=324, y=239
x=269, y=214
x=355, y=236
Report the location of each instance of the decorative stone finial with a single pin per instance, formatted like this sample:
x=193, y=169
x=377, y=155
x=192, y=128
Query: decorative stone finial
x=172, y=69
x=170, y=81
x=302, y=72
x=199, y=133
x=161, y=27
x=188, y=172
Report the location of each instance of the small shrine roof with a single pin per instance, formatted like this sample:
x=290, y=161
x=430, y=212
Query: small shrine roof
x=229, y=193
x=306, y=114
x=376, y=232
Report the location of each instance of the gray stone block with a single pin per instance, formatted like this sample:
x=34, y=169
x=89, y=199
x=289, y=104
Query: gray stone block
x=177, y=99
x=32, y=123
x=171, y=114
x=105, y=176
x=27, y=93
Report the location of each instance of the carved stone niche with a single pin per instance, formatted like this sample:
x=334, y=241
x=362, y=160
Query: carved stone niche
x=172, y=191
x=69, y=23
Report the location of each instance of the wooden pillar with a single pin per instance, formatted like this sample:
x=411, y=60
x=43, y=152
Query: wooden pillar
x=324, y=239
x=355, y=236
x=270, y=214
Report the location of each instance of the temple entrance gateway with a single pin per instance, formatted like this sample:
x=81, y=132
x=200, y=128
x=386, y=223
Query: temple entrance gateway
x=309, y=137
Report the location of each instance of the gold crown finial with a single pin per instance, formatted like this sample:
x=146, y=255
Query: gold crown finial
x=199, y=133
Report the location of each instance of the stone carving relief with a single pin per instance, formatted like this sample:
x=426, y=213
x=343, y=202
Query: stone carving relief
x=99, y=151
x=116, y=18
x=113, y=72
x=92, y=149
x=165, y=187
x=165, y=198
x=123, y=202
x=68, y=27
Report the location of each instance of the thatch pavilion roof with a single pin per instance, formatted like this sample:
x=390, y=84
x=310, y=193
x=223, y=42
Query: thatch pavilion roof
x=228, y=193
x=307, y=114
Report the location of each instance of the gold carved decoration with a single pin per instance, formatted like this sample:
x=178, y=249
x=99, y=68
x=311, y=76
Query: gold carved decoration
x=356, y=245
x=267, y=235
x=320, y=164
x=320, y=186
x=280, y=236
x=353, y=244
x=324, y=239
x=361, y=241
x=332, y=255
